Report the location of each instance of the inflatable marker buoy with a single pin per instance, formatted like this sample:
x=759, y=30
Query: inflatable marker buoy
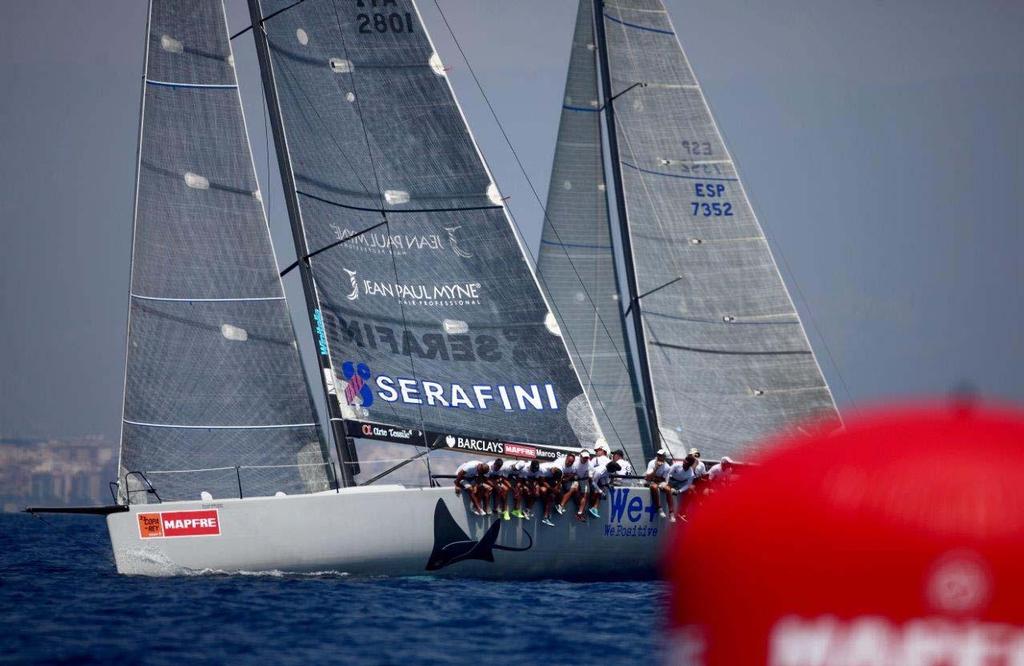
x=898, y=540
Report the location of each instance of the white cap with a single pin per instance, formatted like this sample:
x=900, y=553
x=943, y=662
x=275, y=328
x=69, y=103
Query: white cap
x=694, y=451
x=585, y=453
x=661, y=452
x=600, y=446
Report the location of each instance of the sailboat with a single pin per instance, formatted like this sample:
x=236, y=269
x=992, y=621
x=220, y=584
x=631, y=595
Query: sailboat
x=434, y=338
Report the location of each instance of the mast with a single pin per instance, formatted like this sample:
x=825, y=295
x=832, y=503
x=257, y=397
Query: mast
x=344, y=446
x=642, y=369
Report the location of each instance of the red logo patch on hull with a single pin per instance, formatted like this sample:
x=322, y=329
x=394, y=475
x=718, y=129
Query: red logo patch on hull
x=165, y=524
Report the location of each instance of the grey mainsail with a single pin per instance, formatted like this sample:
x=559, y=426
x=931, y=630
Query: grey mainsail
x=429, y=312
x=215, y=394
x=576, y=259
x=728, y=357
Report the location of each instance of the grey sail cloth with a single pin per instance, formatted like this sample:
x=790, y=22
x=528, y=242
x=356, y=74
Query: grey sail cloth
x=213, y=378
x=576, y=260
x=432, y=317
x=729, y=360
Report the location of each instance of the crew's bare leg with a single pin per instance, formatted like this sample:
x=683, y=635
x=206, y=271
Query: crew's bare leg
x=655, y=499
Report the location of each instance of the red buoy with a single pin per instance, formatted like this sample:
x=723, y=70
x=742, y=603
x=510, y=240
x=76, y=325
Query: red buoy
x=898, y=540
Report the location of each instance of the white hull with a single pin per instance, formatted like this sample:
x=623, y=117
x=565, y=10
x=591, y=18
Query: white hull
x=392, y=530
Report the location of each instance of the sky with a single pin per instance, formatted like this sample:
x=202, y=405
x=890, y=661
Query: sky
x=880, y=142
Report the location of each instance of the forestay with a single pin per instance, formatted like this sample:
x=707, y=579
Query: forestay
x=577, y=261
x=431, y=315
x=729, y=359
x=213, y=378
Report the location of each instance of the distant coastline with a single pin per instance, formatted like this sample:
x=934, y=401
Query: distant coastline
x=55, y=471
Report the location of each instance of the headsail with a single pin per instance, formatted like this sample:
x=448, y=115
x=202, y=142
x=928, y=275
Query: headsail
x=576, y=259
x=432, y=318
x=213, y=378
x=729, y=359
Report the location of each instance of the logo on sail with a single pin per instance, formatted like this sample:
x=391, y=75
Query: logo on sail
x=430, y=295
x=453, y=241
x=483, y=397
x=356, y=376
x=401, y=244
x=354, y=294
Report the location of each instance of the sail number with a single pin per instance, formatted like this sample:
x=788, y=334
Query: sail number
x=710, y=208
x=378, y=22
x=385, y=23
x=697, y=147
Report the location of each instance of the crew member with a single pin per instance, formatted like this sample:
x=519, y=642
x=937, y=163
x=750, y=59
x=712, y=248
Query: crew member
x=578, y=488
x=601, y=454
x=497, y=477
x=700, y=470
x=725, y=470
x=568, y=466
x=657, y=472
x=549, y=486
x=680, y=478
x=600, y=479
x=469, y=477
x=625, y=469
x=521, y=476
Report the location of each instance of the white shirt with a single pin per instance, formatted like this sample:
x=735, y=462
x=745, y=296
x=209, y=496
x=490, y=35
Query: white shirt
x=599, y=476
x=547, y=469
x=519, y=468
x=657, y=468
x=582, y=468
x=468, y=468
x=598, y=461
x=700, y=469
x=625, y=469
x=719, y=473
x=678, y=472
x=501, y=472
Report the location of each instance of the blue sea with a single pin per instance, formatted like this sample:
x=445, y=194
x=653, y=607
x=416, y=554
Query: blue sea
x=61, y=601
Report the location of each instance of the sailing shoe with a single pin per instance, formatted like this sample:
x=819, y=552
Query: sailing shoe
x=547, y=521
x=560, y=509
x=505, y=515
x=517, y=513
x=580, y=518
x=672, y=518
x=593, y=511
x=661, y=513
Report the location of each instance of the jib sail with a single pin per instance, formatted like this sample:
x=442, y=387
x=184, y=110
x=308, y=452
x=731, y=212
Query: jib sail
x=213, y=379
x=430, y=316
x=576, y=259
x=728, y=358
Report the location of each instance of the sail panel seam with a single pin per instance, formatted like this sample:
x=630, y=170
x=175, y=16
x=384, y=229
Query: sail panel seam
x=207, y=300
x=637, y=26
x=397, y=210
x=181, y=84
x=579, y=245
x=674, y=175
x=730, y=352
x=218, y=427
